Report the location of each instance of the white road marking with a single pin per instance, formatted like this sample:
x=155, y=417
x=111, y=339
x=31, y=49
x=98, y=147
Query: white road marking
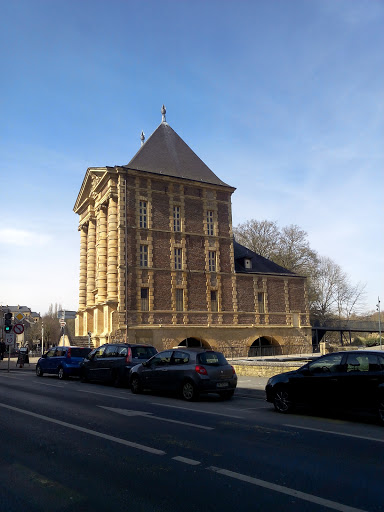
x=286, y=490
x=127, y=412
x=86, y=430
x=336, y=433
x=191, y=462
x=199, y=410
x=106, y=394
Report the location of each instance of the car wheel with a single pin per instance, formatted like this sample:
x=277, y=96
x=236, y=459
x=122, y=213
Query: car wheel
x=188, y=391
x=136, y=385
x=61, y=374
x=282, y=400
x=226, y=395
x=39, y=371
x=380, y=410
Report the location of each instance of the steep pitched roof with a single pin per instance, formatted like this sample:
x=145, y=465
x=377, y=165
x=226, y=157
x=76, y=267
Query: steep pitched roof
x=259, y=263
x=166, y=153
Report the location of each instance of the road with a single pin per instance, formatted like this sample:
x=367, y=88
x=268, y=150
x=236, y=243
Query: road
x=70, y=446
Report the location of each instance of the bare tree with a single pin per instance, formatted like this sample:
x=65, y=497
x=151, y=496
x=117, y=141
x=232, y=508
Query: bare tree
x=293, y=251
x=287, y=247
x=334, y=294
x=259, y=236
x=330, y=293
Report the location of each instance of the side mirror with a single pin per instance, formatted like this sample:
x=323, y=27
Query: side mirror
x=44, y=356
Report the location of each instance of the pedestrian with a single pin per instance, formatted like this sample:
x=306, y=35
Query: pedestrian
x=2, y=349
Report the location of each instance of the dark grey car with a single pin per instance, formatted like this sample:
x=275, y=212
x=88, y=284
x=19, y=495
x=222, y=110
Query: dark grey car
x=187, y=371
x=112, y=362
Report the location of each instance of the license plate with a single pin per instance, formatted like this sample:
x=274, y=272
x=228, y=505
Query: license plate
x=222, y=384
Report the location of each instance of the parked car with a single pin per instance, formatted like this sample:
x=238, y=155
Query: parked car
x=352, y=380
x=62, y=361
x=188, y=371
x=112, y=362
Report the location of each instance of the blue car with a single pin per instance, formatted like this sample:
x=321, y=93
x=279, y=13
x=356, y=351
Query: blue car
x=62, y=361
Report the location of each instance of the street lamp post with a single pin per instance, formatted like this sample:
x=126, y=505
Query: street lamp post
x=378, y=309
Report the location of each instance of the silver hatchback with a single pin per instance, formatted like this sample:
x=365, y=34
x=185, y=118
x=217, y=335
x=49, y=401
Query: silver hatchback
x=187, y=371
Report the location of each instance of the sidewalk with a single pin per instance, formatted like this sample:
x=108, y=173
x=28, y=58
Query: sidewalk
x=14, y=366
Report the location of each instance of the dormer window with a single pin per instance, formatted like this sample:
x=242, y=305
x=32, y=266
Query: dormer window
x=247, y=263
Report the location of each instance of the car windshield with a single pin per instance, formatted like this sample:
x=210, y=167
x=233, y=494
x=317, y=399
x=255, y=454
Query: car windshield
x=212, y=358
x=143, y=352
x=80, y=352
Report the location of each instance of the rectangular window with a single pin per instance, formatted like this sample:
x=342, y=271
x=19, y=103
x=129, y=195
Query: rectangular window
x=179, y=299
x=260, y=300
x=178, y=258
x=212, y=261
x=143, y=256
x=143, y=214
x=176, y=218
x=210, y=227
x=214, y=305
x=144, y=299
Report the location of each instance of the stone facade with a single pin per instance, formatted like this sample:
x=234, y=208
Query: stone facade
x=157, y=266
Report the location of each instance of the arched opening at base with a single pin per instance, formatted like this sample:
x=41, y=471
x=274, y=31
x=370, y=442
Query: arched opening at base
x=264, y=346
x=194, y=343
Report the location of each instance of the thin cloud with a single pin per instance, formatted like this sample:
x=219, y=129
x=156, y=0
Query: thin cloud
x=22, y=238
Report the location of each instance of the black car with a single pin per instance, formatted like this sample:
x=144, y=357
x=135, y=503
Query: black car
x=352, y=380
x=187, y=371
x=112, y=362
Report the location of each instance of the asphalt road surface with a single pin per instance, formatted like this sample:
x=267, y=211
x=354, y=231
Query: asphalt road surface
x=70, y=446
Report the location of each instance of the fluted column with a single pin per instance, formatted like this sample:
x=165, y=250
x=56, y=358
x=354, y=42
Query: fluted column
x=91, y=262
x=112, y=251
x=83, y=267
x=102, y=254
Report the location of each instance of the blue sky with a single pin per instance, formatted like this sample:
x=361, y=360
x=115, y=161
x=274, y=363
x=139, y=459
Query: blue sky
x=282, y=99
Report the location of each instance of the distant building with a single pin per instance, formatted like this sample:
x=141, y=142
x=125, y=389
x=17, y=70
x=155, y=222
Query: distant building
x=26, y=318
x=158, y=262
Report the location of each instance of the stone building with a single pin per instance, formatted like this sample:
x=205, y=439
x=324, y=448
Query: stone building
x=158, y=262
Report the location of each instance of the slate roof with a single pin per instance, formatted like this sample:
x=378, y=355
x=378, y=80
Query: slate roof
x=259, y=263
x=166, y=153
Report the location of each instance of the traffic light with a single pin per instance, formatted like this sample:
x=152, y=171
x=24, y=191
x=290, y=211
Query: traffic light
x=8, y=322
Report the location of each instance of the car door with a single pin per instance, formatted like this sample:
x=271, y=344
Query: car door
x=360, y=383
x=94, y=365
x=318, y=382
x=178, y=369
x=48, y=364
x=155, y=374
x=107, y=363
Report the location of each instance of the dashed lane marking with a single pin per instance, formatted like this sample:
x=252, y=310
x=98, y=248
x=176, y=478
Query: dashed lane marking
x=191, y=462
x=127, y=412
x=86, y=430
x=286, y=490
x=334, y=432
x=199, y=410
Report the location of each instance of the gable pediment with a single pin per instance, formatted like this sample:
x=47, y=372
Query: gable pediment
x=91, y=180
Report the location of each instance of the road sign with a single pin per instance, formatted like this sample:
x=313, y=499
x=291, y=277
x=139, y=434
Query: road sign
x=63, y=323
x=19, y=316
x=18, y=328
x=9, y=338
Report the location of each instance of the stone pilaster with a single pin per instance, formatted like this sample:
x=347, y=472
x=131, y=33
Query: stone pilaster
x=112, y=251
x=91, y=262
x=101, y=248
x=83, y=267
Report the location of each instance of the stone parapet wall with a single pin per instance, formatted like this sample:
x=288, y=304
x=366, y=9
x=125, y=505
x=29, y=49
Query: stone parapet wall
x=264, y=370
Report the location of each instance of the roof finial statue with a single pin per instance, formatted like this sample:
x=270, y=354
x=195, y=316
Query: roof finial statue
x=142, y=137
x=163, y=112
